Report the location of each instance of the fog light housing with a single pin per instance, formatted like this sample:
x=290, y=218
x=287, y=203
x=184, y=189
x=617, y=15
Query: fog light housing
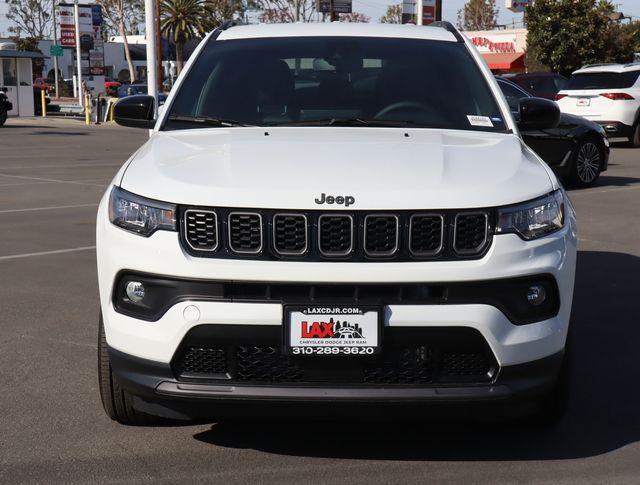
x=135, y=291
x=536, y=295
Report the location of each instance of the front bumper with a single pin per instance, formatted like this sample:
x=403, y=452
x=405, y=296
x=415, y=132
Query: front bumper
x=512, y=393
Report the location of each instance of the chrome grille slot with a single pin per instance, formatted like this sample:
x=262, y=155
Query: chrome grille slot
x=335, y=235
x=381, y=234
x=426, y=234
x=201, y=229
x=470, y=232
x=245, y=232
x=290, y=234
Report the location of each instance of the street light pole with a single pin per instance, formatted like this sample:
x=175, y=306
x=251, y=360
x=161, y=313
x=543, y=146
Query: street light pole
x=76, y=20
x=55, y=43
x=419, y=12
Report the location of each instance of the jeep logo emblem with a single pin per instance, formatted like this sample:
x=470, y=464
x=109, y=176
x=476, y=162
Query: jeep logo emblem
x=345, y=200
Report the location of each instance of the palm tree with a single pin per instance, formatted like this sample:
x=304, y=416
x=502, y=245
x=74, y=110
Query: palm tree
x=182, y=20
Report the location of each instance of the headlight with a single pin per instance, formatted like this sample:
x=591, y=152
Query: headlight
x=533, y=219
x=140, y=215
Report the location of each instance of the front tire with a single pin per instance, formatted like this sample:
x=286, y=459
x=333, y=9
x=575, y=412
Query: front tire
x=587, y=164
x=116, y=401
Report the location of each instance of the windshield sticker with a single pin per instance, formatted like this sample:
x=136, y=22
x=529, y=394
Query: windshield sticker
x=475, y=120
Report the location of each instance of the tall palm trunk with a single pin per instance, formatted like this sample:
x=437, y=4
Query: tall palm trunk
x=179, y=55
x=127, y=52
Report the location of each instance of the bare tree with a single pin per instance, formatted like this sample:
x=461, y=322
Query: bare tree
x=31, y=18
x=478, y=15
x=355, y=17
x=123, y=16
x=393, y=15
x=287, y=10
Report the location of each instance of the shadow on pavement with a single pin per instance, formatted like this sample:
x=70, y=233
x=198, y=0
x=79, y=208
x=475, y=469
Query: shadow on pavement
x=602, y=415
x=59, y=133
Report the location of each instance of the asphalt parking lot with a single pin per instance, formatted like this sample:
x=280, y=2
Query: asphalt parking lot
x=53, y=429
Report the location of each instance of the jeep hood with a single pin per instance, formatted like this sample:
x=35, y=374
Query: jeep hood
x=382, y=168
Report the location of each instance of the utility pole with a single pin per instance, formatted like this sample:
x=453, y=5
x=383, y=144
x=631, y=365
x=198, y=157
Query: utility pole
x=419, y=12
x=159, y=46
x=150, y=32
x=332, y=15
x=55, y=43
x=76, y=20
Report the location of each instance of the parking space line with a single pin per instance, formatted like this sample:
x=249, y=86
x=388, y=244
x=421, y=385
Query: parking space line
x=46, y=253
x=23, y=183
x=90, y=163
x=55, y=207
x=49, y=180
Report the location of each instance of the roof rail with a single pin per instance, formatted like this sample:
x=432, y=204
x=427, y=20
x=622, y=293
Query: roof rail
x=600, y=64
x=443, y=24
x=227, y=24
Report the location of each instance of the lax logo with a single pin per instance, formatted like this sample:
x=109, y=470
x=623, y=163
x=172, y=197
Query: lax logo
x=331, y=329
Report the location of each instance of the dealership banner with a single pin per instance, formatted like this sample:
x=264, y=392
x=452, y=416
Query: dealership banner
x=90, y=27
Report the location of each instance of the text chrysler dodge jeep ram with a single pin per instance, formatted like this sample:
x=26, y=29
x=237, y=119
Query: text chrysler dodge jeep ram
x=334, y=213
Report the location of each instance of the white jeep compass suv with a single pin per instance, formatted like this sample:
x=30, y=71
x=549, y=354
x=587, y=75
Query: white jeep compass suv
x=608, y=94
x=338, y=214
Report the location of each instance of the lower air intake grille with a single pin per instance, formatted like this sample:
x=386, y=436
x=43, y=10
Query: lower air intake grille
x=202, y=362
x=470, y=233
x=245, y=232
x=265, y=364
x=201, y=230
x=409, y=357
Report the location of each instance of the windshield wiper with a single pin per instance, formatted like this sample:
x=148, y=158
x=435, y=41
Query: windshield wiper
x=345, y=122
x=207, y=121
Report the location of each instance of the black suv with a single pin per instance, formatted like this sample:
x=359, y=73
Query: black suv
x=5, y=107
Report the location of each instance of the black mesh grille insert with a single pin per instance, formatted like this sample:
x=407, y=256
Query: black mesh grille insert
x=200, y=362
x=245, y=232
x=201, y=230
x=426, y=234
x=381, y=235
x=410, y=357
x=407, y=366
x=470, y=233
x=336, y=235
x=265, y=364
x=463, y=364
x=290, y=233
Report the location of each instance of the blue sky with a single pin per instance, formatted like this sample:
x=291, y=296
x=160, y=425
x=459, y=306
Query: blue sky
x=376, y=8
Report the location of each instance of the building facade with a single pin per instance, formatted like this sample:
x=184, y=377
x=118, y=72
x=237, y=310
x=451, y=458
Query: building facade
x=503, y=50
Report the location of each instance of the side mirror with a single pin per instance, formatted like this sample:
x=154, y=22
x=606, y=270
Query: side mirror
x=538, y=114
x=135, y=111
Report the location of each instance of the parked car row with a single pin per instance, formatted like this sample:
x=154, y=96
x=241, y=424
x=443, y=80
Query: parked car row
x=577, y=149
x=608, y=94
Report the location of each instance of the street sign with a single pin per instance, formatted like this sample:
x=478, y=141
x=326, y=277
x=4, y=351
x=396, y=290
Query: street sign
x=55, y=50
x=339, y=6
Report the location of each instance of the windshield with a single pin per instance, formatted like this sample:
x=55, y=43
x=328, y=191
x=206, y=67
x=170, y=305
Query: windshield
x=603, y=80
x=352, y=81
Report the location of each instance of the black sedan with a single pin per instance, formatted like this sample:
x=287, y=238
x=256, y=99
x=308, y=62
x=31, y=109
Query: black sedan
x=577, y=150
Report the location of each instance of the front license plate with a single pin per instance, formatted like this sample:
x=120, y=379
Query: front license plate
x=332, y=330
x=583, y=101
